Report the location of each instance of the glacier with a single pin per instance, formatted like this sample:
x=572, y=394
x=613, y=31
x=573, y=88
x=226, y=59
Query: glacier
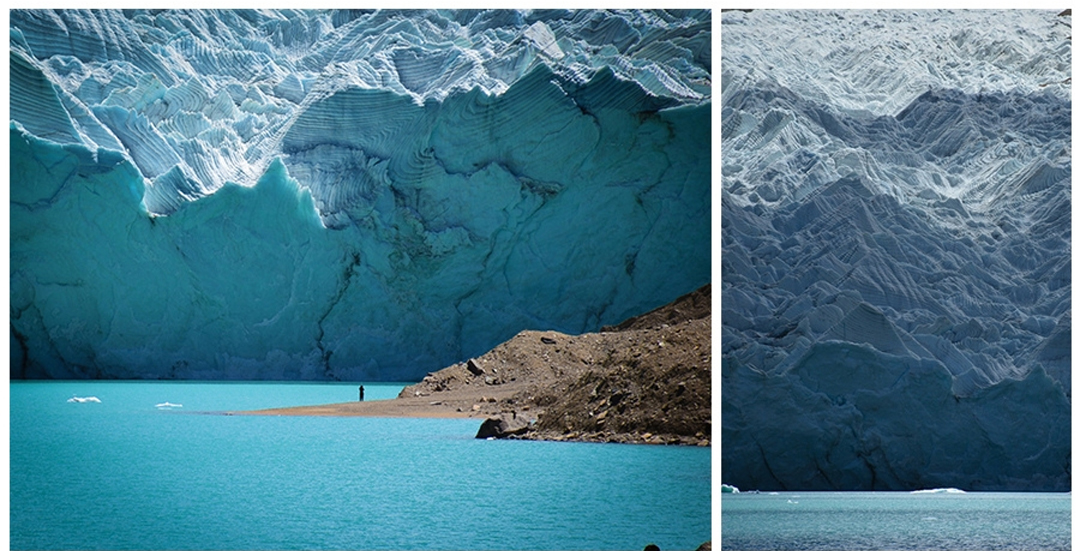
x=896, y=250
x=346, y=194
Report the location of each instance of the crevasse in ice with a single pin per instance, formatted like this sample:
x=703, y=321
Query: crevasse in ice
x=896, y=249
x=369, y=195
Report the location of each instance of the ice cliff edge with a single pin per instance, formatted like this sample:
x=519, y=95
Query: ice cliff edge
x=399, y=203
x=896, y=240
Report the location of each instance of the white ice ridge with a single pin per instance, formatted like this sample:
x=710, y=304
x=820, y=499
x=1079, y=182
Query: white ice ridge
x=879, y=61
x=896, y=270
x=351, y=195
x=198, y=98
x=940, y=491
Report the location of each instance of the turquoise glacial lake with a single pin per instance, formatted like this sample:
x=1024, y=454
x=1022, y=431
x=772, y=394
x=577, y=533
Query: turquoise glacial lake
x=838, y=521
x=155, y=465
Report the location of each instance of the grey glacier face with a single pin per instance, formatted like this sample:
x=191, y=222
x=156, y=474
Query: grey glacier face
x=346, y=194
x=896, y=250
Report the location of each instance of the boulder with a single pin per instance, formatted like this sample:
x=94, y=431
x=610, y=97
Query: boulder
x=474, y=368
x=500, y=427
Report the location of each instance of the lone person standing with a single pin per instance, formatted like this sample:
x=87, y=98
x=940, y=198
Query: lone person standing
x=361, y=393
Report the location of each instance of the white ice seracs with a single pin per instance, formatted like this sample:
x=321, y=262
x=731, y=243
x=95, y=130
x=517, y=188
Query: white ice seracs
x=896, y=249
x=212, y=92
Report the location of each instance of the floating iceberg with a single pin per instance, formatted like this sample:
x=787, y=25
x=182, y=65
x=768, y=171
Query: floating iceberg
x=350, y=194
x=83, y=400
x=168, y=405
x=896, y=271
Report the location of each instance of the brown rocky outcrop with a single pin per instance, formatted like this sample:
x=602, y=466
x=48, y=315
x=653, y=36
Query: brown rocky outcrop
x=646, y=380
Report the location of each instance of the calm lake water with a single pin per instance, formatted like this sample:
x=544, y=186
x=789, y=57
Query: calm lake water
x=838, y=521
x=124, y=473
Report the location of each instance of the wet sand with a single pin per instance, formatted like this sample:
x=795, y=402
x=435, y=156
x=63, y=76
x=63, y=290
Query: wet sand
x=423, y=406
x=376, y=408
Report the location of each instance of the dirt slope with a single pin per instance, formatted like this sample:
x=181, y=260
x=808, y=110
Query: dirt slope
x=645, y=380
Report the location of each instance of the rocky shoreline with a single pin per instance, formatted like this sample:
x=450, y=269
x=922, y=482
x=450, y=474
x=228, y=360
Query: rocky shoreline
x=646, y=380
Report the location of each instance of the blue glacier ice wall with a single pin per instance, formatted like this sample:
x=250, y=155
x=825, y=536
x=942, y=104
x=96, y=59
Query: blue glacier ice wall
x=356, y=195
x=896, y=270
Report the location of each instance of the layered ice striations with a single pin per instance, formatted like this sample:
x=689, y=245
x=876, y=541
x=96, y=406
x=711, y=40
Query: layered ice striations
x=214, y=92
x=346, y=194
x=896, y=250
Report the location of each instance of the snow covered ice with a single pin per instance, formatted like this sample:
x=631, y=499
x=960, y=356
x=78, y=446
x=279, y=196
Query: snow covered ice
x=896, y=250
x=360, y=195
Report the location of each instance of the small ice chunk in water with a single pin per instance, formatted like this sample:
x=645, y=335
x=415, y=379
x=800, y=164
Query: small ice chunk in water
x=169, y=405
x=940, y=491
x=81, y=400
